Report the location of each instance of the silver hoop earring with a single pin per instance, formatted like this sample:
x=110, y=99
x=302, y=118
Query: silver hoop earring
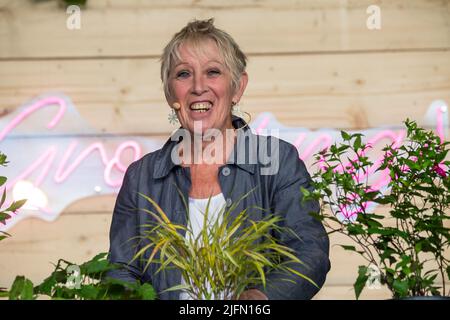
x=236, y=110
x=173, y=119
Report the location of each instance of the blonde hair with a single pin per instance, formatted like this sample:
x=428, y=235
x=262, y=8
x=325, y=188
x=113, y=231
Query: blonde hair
x=196, y=33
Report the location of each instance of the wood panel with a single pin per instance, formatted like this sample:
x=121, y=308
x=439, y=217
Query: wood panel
x=36, y=244
x=346, y=292
x=313, y=63
x=139, y=28
x=314, y=91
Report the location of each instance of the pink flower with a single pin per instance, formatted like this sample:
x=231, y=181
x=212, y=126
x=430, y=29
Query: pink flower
x=438, y=168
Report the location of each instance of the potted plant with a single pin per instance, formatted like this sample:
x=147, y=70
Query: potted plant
x=226, y=257
x=408, y=245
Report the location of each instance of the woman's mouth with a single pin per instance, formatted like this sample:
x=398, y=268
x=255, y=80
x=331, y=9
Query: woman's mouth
x=201, y=107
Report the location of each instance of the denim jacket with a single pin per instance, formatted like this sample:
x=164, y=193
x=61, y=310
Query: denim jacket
x=157, y=176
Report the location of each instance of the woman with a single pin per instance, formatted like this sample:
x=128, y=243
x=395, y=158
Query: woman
x=204, y=77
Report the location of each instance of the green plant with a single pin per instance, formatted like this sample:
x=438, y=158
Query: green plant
x=5, y=214
x=227, y=256
x=410, y=245
x=87, y=281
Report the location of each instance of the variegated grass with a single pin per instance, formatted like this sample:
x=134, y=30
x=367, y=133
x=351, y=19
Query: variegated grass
x=229, y=255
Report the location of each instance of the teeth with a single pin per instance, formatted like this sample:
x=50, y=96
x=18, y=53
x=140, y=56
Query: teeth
x=201, y=106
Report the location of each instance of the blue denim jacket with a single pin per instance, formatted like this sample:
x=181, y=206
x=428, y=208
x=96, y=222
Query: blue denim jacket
x=158, y=177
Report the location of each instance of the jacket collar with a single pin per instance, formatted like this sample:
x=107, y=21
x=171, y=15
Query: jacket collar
x=164, y=163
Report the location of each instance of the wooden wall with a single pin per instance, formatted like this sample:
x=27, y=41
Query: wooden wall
x=313, y=63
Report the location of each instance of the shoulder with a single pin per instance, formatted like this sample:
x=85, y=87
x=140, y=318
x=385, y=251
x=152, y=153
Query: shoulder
x=277, y=154
x=286, y=166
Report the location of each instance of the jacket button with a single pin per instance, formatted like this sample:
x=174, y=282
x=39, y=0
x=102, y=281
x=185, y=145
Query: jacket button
x=229, y=202
x=226, y=171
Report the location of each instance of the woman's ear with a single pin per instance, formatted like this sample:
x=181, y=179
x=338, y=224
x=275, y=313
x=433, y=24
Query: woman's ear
x=242, y=85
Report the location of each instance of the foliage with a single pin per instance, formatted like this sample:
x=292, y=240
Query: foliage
x=87, y=281
x=5, y=214
x=227, y=256
x=409, y=246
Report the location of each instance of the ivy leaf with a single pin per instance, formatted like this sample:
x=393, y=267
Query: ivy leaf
x=360, y=282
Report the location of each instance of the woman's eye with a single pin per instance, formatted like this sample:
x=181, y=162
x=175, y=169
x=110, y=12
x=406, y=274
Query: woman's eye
x=213, y=72
x=183, y=74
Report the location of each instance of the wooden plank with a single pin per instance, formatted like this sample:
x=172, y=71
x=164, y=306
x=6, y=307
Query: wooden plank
x=313, y=91
x=138, y=28
x=35, y=244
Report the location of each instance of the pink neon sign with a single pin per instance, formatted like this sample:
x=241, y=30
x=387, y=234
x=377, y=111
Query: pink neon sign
x=48, y=156
x=61, y=157
x=67, y=167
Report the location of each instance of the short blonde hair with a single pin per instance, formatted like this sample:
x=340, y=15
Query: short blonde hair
x=195, y=33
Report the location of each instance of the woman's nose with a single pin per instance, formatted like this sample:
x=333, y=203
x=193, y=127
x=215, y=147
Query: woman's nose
x=199, y=85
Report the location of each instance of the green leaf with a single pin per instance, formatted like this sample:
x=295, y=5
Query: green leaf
x=147, y=292
x=3, y=180
x=46, y=286
x=381, y=231
x=360, y=282
x=4, y=293
x=357, y=143
x=345, y=136
x=3, y=198
x=355, y=229
x=16, y=205
x=348, y=248
x=401, y=287
x=4, y=216
x=21, y=289
x=89, y=292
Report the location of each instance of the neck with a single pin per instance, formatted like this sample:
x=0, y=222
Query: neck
x=209, y=149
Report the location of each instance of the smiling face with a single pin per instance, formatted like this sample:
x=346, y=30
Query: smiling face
x=201, y=83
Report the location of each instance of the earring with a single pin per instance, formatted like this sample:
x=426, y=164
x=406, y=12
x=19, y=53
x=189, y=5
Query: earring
x=234, y=107
x=236, y=110
x=173, y=119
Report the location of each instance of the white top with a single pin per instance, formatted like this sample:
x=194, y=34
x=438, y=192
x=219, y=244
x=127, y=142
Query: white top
x=197, y=208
